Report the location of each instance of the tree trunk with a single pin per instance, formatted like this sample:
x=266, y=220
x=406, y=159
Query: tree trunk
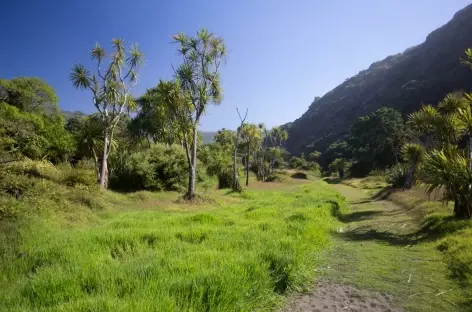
x=247, y=165
x=410, y=178
x=193, y=167
x=341, y=173
x=236, y=185
x=469, y=145
x=104, y=163
x=462, y=209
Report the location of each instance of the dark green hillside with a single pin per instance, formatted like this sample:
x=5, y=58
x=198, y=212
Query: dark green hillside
x=421, y=74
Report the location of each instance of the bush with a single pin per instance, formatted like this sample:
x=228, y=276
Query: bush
x=159, y=168
x=218, y=163
x=75, y=177
x=300, y=163
x=35, y=169
x=276, y=177
x=397, y=175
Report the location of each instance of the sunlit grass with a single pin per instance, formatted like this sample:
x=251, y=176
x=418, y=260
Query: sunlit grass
x=148, y=252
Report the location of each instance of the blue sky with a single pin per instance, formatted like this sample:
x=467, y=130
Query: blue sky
x=282, y=53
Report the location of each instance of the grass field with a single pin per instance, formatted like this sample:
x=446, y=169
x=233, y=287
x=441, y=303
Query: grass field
x=149, y=252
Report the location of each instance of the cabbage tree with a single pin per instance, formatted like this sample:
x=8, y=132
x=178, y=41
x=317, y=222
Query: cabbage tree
x=110, y=85
x=199, y=79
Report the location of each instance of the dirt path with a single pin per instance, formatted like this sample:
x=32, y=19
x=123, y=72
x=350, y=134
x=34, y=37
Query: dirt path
x=379, y=264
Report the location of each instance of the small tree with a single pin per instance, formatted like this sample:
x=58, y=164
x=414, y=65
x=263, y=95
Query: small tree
x=110, y=89
x=236, y=185
x=200, y=81
x=251, y=135
x=339, y=165
x=413, y=154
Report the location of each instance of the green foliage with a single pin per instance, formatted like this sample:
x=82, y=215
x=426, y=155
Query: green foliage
x=218, y=162
x=413, y=153
x=110, y=88
x=152, y=121
x=339, y=165
x=300, y=163
x=446, y=165
x=448, y=169
x=29, y=94
x=33, y=135
x=337, y=149
x=158, y=168
x=397, y=175
x=376, y=139
x=79, y=177
x=196, y=87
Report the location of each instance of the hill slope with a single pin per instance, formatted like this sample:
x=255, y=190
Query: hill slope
x=421, y=74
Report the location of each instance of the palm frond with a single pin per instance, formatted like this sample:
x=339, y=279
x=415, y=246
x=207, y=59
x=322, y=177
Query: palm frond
x=453, y=102
x=135, y=58
x=413, y=153
x=80, y=77
x=98, y=53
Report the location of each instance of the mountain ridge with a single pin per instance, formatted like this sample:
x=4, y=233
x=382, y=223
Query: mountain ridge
x=422, y=74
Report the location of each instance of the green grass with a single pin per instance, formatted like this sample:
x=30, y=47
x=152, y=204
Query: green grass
x=408, y=247
x=73, y=249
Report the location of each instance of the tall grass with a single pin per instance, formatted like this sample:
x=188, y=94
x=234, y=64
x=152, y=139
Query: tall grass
x=242, y=253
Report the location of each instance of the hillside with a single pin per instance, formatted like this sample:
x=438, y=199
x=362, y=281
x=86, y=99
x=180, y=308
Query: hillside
x=421, y=74
x=207, y=136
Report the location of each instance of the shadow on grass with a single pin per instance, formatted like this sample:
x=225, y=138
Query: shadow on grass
x=433, y=228
x=299, y=175
x=384, y=193
x=351, y=217
x=332, y=180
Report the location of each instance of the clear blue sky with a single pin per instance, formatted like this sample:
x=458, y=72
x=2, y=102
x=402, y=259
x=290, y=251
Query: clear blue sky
x=282, y=53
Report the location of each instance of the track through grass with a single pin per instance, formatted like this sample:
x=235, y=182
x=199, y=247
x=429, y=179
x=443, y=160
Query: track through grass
x=381, y=247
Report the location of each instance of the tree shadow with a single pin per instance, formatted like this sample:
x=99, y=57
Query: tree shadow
x=351, y=217
x=384, y=193
x=366, y=233
x=332, y=180
x=299, y=175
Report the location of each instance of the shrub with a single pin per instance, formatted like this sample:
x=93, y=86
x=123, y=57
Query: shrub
x=35, y=169
x=75, y=177
x=276, y=177
x=218, y=163
x=158, y=168
x=397, y=175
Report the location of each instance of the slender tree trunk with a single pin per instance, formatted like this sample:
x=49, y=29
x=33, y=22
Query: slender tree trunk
x=410, y=178
x=104, y=162
x=247, y=164
x=97, y=167
x=236, y=185
x=469, y=145
x=341, y=173
x=193, y=167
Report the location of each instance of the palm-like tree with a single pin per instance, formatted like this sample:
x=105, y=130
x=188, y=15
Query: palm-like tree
x=110, y=86
x=251, y=135
x=339, y=165
x=414, y=154
x=446, y=166
x=447, y=169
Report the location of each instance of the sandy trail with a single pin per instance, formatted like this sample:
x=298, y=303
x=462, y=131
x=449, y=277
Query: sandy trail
x=330, y=297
